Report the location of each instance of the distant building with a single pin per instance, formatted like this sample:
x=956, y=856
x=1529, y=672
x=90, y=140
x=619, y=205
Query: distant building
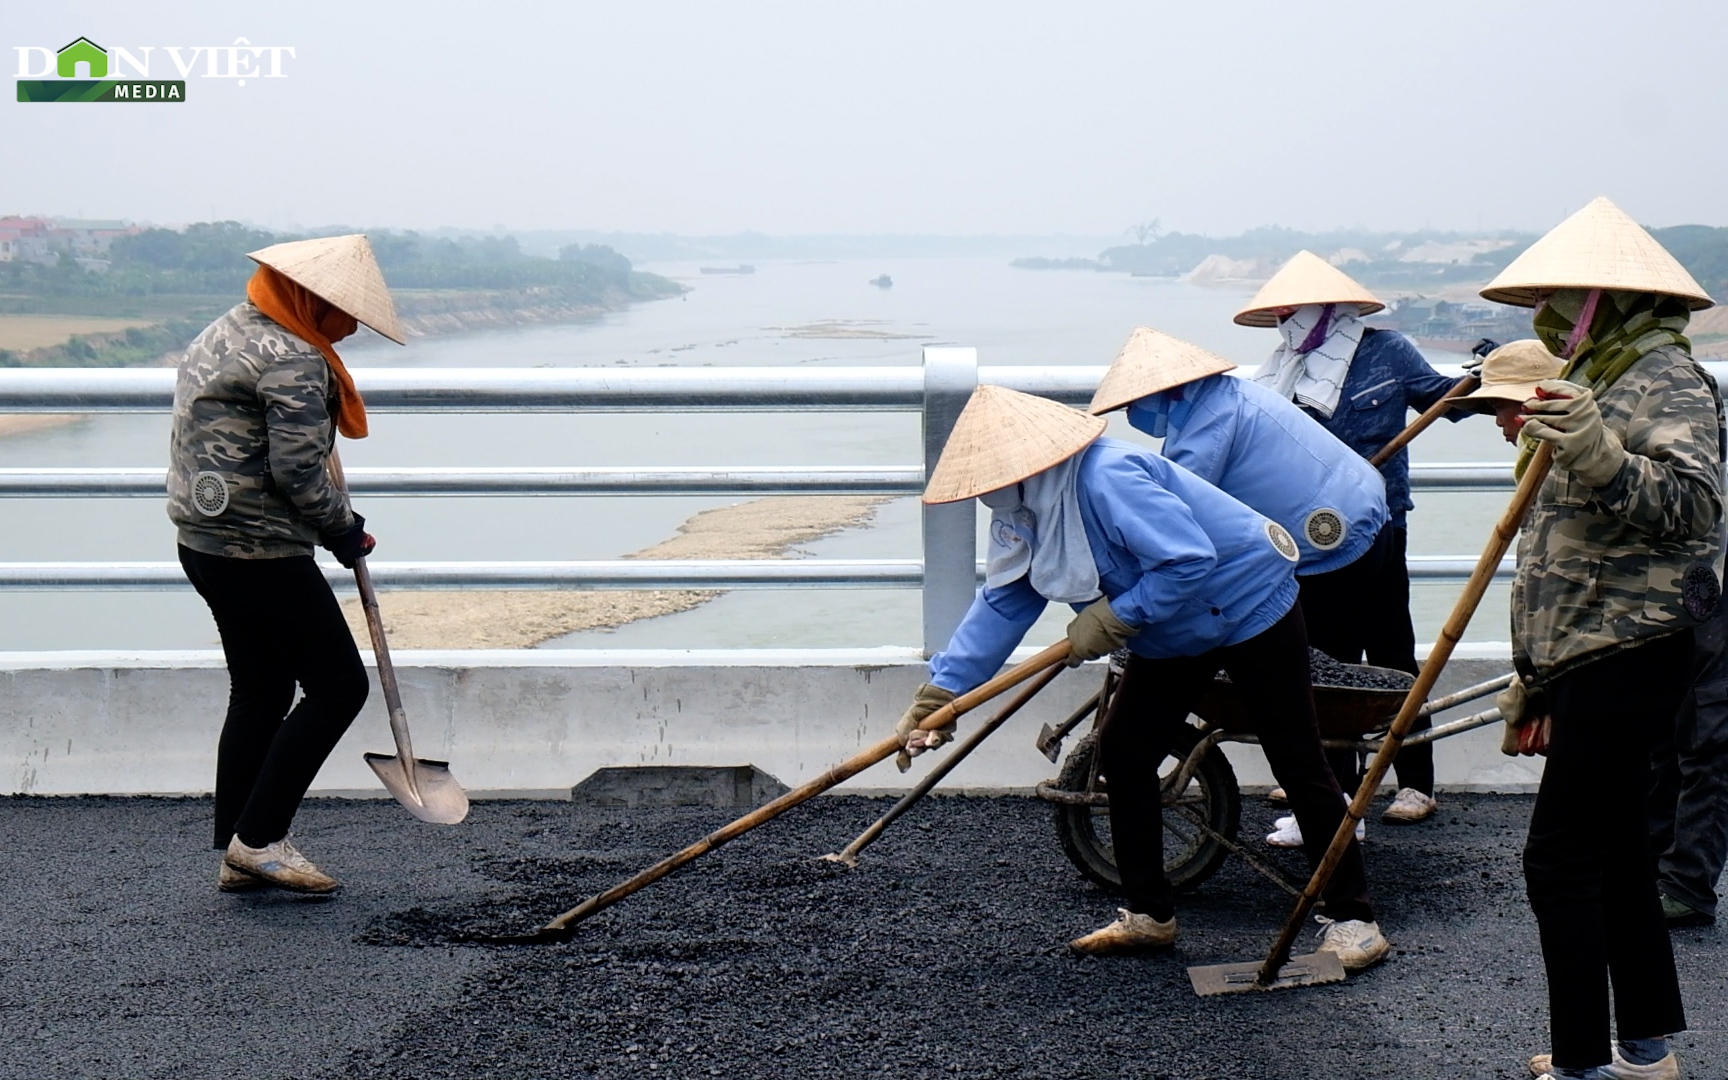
x=26, y=239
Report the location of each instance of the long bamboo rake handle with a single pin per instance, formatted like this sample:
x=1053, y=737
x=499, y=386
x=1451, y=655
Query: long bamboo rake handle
x=1417, y=426
x=562, y=926
x=945, y=766
x=1505, y=531
x=380, y=648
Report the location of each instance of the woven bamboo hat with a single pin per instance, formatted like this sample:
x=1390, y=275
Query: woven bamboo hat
x=341, y=270
x=1510, y=373
x=1599, y=247
x=1152, y=361
x=1004, y=436
x=1306, y=279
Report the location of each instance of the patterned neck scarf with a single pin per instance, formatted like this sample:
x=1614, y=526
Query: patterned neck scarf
x=1312, y=362
x=1624, y=327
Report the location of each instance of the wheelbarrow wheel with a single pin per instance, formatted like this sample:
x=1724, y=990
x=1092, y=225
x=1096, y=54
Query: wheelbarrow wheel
x=1190, y=855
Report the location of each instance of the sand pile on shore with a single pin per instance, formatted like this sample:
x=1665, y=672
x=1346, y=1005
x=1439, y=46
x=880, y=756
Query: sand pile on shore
x=769, y=528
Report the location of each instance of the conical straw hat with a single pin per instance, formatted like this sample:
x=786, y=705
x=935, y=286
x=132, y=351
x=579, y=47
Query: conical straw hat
x=341, y=270
x=1306, y=279
x=1152, y=361
x=1599, y=247
x=1004, y=436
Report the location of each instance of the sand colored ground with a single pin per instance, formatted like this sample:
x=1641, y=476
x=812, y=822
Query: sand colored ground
x=22, y=332
x=23, y=423
x=761, y=529
x=845, y=330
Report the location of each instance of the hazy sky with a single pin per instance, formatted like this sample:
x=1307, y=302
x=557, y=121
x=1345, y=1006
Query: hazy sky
x=958, y=118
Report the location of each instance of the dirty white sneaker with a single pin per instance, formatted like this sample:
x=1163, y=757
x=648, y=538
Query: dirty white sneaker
x=281, y=865
x=229, y=879
x=1286, y=833
x=1619, y=1069
x=1410, y=806
x=1131, y=932
x=1358, y=944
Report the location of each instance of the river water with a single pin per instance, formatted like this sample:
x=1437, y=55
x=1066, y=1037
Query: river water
x=1011, y=316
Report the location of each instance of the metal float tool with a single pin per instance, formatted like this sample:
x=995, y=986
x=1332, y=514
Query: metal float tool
x=848, y=857
x=564, y=926
x=425, y=788
x=1279, y=969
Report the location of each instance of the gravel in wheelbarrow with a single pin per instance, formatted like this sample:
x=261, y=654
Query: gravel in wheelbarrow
x=1350, y=699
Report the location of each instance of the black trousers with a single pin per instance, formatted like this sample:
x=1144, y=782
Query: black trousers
x=1689, y=778
x=1154, y=700
x=280, y=626
x=1362, y=611
x=1587, y=863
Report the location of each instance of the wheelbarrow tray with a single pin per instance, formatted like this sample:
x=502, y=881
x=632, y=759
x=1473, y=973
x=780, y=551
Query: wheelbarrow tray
x=1345, y=712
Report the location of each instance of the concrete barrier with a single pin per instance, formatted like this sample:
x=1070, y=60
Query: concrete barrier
x=535, y=722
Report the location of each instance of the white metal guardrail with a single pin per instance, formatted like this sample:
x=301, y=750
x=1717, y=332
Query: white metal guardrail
x=937, y=389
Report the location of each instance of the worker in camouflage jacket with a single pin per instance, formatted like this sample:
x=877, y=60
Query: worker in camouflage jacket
x=1619, y=562
x=259, y=400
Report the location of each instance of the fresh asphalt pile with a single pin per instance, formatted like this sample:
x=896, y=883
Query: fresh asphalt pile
x=1325, y=671
x=942, y=954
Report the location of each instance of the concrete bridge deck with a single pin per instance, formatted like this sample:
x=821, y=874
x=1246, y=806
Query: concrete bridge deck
x=941, y=955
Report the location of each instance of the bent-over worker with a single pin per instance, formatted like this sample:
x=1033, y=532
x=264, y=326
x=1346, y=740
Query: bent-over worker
x=259, y=399
x=1185, y=577
x=1262, y=450
x=1360, y=384
x=1617, y=564
x=1509, y=377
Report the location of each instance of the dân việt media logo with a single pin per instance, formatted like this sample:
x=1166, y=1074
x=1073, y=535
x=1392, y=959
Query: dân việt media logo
x=85, y=71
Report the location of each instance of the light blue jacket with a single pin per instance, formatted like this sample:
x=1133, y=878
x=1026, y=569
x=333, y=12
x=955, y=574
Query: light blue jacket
x=1193, y=568
x=1270, y=454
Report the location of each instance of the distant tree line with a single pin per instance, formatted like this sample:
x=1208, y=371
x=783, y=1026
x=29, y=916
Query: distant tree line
x=209, y=259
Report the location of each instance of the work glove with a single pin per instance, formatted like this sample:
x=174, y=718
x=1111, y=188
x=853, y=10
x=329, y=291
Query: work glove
x=351, y=545
x=1527, y=721
x=1096, y=632
x=913, y=740
x=1566, y=415
x=1478, y=353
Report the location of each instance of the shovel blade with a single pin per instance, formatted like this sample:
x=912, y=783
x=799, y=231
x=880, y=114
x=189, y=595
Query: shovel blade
x=1048, y=744
x=433, y=795
x=1312, y=969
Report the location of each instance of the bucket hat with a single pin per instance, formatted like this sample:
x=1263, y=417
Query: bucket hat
x=1152, y=361
x=1510, y=373
x=340, y=270
x=1599, y=247
x=1004, y=436
x=1306, y=279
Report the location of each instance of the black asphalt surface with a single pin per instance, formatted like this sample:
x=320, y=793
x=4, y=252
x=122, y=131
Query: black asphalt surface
x=941, y=955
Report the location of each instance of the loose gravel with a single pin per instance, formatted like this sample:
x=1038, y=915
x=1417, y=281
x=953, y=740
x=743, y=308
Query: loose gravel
x=942, y=954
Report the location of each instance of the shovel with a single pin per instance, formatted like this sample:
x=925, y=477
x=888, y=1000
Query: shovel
x=1279, y=970
x=424, y=788
x=563, y=927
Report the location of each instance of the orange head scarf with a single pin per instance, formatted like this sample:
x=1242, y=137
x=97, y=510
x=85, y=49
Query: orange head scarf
x=297, y=310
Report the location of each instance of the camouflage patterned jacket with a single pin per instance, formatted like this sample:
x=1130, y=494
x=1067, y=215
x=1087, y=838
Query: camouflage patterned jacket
x=252, y=431
x=1603, y=569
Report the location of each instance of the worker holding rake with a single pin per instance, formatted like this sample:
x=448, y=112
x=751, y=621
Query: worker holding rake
x=1359, y=383
x=259, y=399
x=1618, y=563
x=1186, y=578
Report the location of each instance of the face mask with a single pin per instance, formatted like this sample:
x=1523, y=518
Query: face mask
x=1004, y=498
x=1151, y=415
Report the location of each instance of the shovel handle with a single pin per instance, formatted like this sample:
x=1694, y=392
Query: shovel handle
x=1417, y=426
x=561, y=927
x=1505, y=531
x=380, y=647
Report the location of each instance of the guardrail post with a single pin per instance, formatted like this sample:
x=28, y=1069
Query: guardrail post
x=950, y=531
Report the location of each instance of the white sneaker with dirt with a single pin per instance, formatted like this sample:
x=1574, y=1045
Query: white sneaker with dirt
x=1358, y=944
x=281, y=865
x=1618, y=1069
x=1286, y=833
x=1132, y=932
x=1410, y=806
x=229, y=879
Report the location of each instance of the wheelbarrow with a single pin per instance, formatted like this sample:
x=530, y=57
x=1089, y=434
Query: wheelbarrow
x=1202, y=800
